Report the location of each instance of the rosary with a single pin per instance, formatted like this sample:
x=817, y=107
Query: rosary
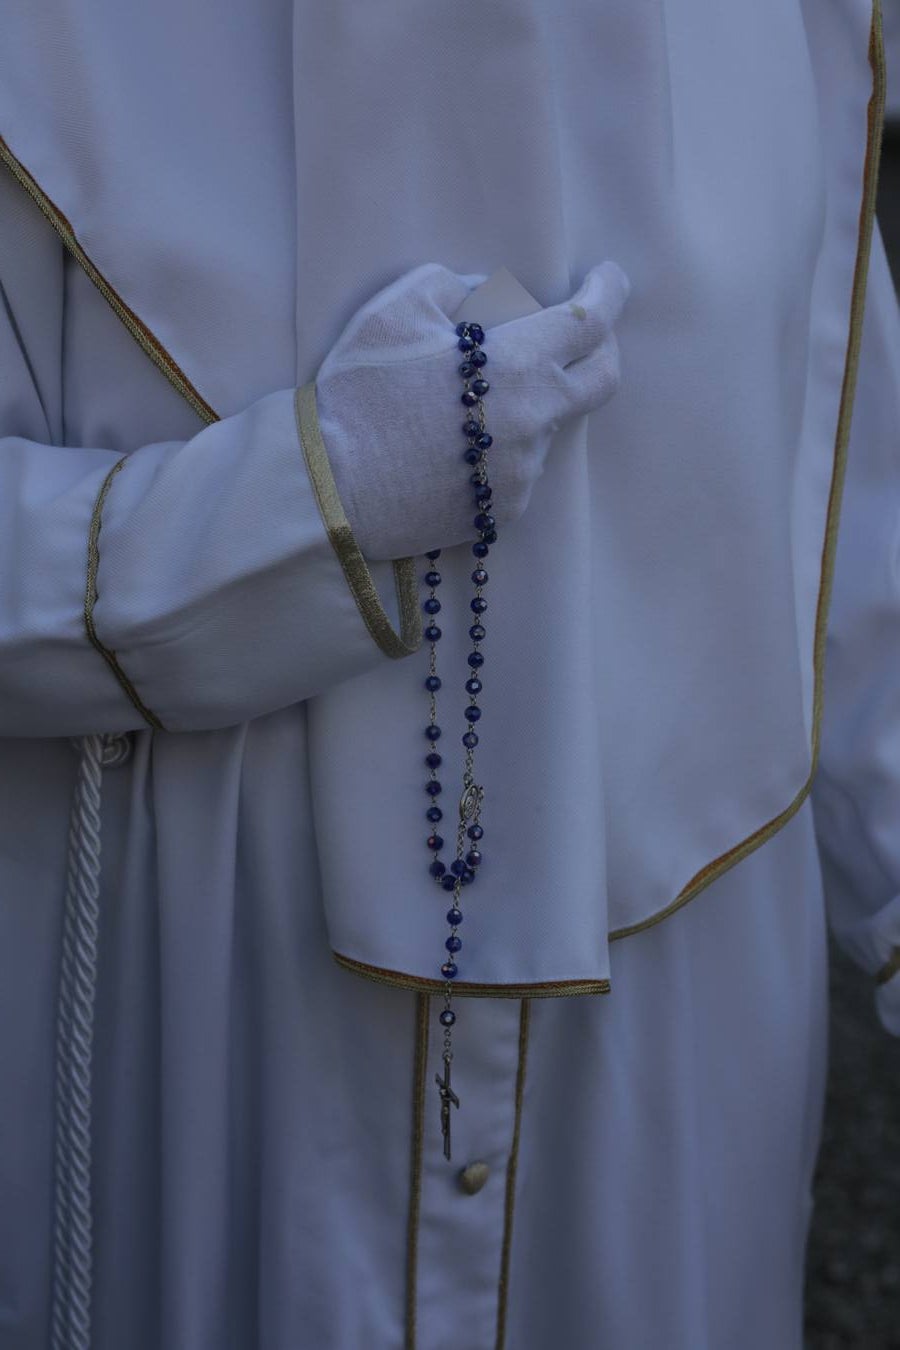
x=464, y=867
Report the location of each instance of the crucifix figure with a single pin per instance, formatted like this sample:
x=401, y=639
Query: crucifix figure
x=448, y=1096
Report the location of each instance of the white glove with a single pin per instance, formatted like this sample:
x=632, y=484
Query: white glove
x=390, y=414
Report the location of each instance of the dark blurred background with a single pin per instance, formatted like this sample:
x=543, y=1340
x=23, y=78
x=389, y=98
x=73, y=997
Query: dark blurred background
x=853, y=1267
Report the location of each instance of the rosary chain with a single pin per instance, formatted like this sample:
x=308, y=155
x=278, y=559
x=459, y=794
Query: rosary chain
x=463, y=869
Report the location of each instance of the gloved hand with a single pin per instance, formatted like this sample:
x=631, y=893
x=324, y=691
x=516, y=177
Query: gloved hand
x=388, y=397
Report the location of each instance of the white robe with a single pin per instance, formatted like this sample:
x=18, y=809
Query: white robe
x=267, y=1169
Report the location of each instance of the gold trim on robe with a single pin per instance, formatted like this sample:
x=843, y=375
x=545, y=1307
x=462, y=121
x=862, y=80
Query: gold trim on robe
x=416, y=1153
x=511, y=1171
x=353, y=564
x=420, y=984
x=90, y=600
x=136, y=327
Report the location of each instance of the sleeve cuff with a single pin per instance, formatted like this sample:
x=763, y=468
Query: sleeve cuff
x=353, y=564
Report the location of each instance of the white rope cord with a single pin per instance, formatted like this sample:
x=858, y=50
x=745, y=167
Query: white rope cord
x=70, y=1320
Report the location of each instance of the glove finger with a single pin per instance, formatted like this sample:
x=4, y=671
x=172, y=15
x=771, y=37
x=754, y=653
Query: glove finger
x=594, y=379
x=438, y=287
x=572, y=329
x=410, y=310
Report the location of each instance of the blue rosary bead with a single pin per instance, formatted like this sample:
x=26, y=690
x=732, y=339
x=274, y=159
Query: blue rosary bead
x=432, y=605
x=432, y=633
x=483, y=493
x=480, y=387
x=473, y=686
x=434, y=554
x=448, y=882
x=483, y=521
x=471, y=427
x=467, y=877
x=435, y=843
x=433, y=787
x=433, y=760
x=475, y=660
x=478, y=604
x=432, y=683
x=454, y=917
x=432, y=578
x=453, y=944
x=484, y=441
x=473, y=712
x=480, y=577
x=477, y=632
x=470, y=740
x=462, y=329
x=437, y=869
x=457, y=867
x=434, y=814
x=449, y=970
x=478, y=358
x=473, y=857
x=447, y=1017
x=490, y=537
x=480, y=549
x=466, y=369
x=465, y=344
x=475, y=832
x=469, y=398
x=476, y=332
x=433, y=732
x=472, y=456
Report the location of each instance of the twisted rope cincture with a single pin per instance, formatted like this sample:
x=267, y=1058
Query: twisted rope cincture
x=72, y=1226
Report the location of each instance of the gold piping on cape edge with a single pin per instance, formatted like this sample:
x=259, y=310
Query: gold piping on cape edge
x=136, y=327
x=421, y=984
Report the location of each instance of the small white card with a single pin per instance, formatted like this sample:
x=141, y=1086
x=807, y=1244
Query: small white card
x=498, y=300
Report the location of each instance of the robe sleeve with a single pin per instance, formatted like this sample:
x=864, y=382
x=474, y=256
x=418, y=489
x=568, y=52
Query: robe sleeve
x=856, y=795
x=187, y=585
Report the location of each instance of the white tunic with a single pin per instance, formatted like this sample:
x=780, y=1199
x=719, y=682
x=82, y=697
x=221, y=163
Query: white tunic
x=266, y=1160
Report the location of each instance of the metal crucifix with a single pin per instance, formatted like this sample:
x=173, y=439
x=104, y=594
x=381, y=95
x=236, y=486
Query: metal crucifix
x=448, y=1097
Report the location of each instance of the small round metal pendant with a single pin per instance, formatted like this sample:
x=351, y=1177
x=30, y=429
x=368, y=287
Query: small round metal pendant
x=470, y=801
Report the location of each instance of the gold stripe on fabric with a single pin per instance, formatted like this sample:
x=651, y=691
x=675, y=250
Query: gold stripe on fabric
x=712, y=871
x=90, y=600
x=511, y=1170
x=398, y=979
x=353, y=564
x=890, y=968
x=138, y=330
x=420, y=1067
